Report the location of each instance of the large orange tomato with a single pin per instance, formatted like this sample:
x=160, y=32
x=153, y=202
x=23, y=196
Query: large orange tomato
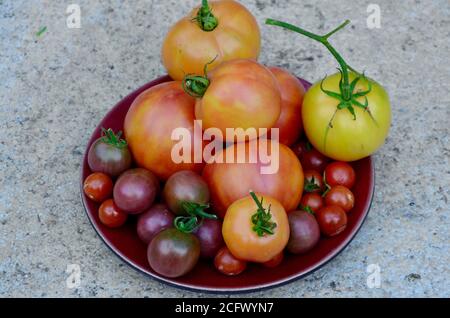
x=292, y=92
x=220, y=30
x=241, y=94
x=229, y=182
x=250, y=234
x=149, y=125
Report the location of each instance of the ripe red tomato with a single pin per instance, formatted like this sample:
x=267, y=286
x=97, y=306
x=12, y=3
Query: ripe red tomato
x=110, y=215
x=290, y=121
x=332, y=220
x=242, y=94
x=340, y=173
x=310, y=158
x=189, y=45
x=312, y=200
x=340, y=196
x=98, y=187
x=313, y=182
x=149, y=124
x=227, y=264
x=274, y=262
x=229, y=182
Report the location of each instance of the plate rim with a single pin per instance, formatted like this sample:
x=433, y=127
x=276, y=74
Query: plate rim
x=226, y=290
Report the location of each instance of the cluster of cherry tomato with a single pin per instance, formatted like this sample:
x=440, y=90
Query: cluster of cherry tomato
x=182, y=227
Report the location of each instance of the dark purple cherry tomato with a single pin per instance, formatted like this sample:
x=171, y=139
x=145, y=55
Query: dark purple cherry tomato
x=173, y=253
x=305, y=232
x=340, y=196
x=153, y=221
x=340, y=173
x=332, y=220
x=98, y=187
x=309, y=157
x=109, y=154
x=227, y=264
x=110, y=215
x=135, y=190
x=210, y=236
x=185, y=186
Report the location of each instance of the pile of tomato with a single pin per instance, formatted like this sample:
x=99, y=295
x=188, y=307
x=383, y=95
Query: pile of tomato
x=231, y=212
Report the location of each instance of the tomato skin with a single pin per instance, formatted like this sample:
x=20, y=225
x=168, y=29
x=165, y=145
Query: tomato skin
x=229, y=182
x=242, y=240
x=109, y=159
x=292, y=91
x=185, y=186
x=332, y=220
x=110, y=214
x=242, y=94
x=348, y=139
x=187, y=48
x=312, y=200
x=340, y=173
x=227, y=264
x=340, y=196
x=275, y=262
x=150, y=122
x=173, y=253
x=98, y=187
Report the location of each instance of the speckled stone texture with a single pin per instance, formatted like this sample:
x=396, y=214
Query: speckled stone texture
x=54, y=89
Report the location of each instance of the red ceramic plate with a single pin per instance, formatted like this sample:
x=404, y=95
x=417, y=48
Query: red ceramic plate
x=126, y=244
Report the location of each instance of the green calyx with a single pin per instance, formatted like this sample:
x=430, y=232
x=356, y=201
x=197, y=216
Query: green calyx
x=196, y=215
x=347, y=96
x=205, y=19
x=196, y=85
x=262, y=219
x=311, y=185
x=110, y=138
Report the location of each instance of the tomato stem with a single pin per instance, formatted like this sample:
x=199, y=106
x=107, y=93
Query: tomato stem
x=205, y=19
x=346, y=93
x=110, y=138
x=196, y=215
x=196, y=85
x=262, y=220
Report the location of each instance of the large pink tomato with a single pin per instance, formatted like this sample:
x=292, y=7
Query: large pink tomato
x=290, y=121
x=149, y=124
x=231, y=181
x=241, y=94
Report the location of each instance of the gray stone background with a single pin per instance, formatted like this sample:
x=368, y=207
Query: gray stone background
x=55, y=88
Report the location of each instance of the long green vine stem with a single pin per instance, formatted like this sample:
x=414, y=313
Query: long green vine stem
x=205, y=18
x=347, y=96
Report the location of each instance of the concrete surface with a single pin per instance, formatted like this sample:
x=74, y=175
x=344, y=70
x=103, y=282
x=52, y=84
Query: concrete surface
x=55, y=88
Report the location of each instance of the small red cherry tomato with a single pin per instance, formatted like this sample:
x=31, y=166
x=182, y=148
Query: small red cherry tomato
x=340, y=173
x=98, y=187
x=312, y=200
x=274, y=262
x=309, y=157
x=227, y=264
x=332, y=220
x=340, y=196
x=313, y=182
x=110, y=215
